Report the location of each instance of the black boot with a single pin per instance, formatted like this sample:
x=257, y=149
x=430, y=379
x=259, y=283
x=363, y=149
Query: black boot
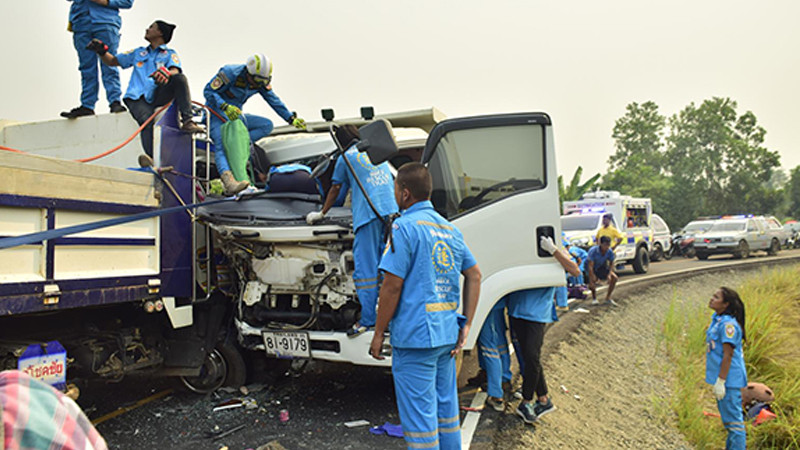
x=116, y=107
x=77, y=112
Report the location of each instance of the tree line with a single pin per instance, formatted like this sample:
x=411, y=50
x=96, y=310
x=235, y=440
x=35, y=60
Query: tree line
x=706, y=159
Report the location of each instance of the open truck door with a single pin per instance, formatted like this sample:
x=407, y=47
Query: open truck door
x=495, y=177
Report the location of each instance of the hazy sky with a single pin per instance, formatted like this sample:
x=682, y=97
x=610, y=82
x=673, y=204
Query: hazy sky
x=579, y=61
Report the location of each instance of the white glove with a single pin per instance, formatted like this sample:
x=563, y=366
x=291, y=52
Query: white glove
x=548, y=245
x=314, y=217
x=719, y=389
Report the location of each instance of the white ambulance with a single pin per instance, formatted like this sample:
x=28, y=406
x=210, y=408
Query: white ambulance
x=632, y=216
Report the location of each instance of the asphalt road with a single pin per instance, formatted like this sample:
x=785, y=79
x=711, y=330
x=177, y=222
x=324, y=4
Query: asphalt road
x=319, y=397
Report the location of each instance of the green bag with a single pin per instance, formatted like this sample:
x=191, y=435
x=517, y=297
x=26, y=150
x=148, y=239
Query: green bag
x=236, y=140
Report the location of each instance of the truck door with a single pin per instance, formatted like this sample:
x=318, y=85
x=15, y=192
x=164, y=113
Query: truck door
x=495, y=178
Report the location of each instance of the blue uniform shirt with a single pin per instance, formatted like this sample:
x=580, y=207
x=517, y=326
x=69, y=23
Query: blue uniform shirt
x=535, y=305
x=86, y=15
x=579, y=253
x=724, y=329
x=377, y=180
x=230, y=86
x=596, y=256
x=146, y=60
x=429, y=255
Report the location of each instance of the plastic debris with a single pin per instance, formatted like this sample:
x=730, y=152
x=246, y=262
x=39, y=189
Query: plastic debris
x=229, y=404
x=388, y=429
x=582, y=310
x=356, y=423
x=564, y=389
x=577, y=397
x=283, y=415
x=216, y=434
x=472, y=409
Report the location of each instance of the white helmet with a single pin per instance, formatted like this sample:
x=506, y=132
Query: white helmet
x=260, y=67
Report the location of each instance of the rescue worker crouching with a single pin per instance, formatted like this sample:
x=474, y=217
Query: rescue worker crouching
x=156, y=80
x=420, y=296
x=227, y=92
x=369, y=229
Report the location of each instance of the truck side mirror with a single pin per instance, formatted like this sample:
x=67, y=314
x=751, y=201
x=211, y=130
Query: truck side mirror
x=377, y=140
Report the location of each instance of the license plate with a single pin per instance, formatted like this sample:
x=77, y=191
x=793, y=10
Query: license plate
x=287, y=344
x=712, y=245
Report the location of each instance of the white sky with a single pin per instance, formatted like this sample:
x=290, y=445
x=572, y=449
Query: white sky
x=580, y=61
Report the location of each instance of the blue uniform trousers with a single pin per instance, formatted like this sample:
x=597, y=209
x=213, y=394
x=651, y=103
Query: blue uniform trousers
x=427, y=399
x=87, y=64
x=730, y=409
x=367, y=248
x=493, y=354
x=575, y=281
x=561, y=296
x=258, y=127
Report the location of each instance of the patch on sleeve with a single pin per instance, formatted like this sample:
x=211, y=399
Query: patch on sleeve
x=216, y=83
x=175, y=58
x=730, y=330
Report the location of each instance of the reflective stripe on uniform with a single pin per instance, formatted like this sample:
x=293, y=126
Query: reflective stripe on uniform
x=420, y=434
x=423, y=444
x=435, y=225
x=441, y=306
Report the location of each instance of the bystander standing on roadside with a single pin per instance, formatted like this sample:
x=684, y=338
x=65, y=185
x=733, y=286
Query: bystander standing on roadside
x=608, y=229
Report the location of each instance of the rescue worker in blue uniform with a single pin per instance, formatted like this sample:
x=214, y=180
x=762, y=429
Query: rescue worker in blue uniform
x=369, y=229
x=156, y=80
x=725, y=368
x=227, y=93
x=580, y=256
x=494, y=357
x=293, y=177
x=562, y=294
x=96, y=19
x=529, y=312
x=420, y=296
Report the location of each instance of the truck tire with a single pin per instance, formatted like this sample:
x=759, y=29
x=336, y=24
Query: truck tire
x=223, y=366
x=743, y=251
x=641, y=262
x=658, y=253
x=774, y=247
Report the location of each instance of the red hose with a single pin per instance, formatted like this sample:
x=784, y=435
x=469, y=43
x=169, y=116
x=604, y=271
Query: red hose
x=135, y=133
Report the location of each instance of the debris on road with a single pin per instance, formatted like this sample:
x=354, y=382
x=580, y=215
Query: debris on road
x=582, y=310
x=356, y=423
x=214, y=435
x=272, y=445
x=388, y=429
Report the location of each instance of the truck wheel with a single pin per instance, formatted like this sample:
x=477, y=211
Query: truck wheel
x=223, y=366
x=743, y=251
x=642, y=260
x=658, y=253
x=774, y=247
x=702, y=256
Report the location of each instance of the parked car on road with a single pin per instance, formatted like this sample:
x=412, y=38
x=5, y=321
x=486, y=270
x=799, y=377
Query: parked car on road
x=738, y=235
x=661, y=238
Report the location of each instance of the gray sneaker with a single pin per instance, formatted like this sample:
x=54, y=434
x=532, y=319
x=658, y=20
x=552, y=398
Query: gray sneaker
x=496, y=403
x=542, y=409
x=527, y=412
x=611, y=302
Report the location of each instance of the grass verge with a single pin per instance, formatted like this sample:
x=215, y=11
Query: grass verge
x=772, y=357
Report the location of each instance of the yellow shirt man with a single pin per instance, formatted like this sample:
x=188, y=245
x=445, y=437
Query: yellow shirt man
x=608, y=229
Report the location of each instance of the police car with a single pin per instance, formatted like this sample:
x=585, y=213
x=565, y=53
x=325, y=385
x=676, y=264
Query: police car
x=738, y=235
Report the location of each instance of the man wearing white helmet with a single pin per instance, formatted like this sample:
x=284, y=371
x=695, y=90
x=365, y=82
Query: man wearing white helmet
x=227, y=92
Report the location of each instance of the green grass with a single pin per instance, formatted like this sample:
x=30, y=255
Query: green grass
x=772, y=357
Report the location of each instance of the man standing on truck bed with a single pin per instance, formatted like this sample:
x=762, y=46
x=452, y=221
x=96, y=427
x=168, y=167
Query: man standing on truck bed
x=227, y=93
x=420, y=295
x=369, y=228
x=157, y=79
x=608, y=229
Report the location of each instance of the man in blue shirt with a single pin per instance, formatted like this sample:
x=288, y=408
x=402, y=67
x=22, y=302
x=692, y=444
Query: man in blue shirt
x=156, y=80
x=368, y=227
x=600, y=263
x=96, y=19
x=227, y=93
x=420, y=296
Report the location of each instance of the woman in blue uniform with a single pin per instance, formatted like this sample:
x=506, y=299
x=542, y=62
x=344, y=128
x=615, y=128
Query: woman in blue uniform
x=725, y=363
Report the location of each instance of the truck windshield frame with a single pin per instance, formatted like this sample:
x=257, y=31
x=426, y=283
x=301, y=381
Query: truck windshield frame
x=479, y=161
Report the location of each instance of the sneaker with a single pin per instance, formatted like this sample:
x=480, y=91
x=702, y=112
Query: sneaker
x=542, y=409
x=356, y=330
x=80, y=111
x=478, y=380
x=116, y=107
x=526, y=411
x=518, y=394
x=595, y=302
x=611, y=302
x=496, y=403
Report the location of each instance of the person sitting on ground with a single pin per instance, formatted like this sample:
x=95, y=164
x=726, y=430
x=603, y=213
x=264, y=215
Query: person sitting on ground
x=157, y=79
x=608, y=229
x=600, y=260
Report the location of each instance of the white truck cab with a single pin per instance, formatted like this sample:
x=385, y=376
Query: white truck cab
x=582, y=220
